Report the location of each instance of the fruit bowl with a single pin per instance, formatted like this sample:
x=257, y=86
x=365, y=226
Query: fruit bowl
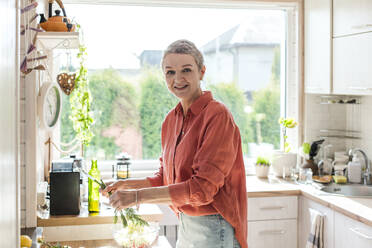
x=135, y=236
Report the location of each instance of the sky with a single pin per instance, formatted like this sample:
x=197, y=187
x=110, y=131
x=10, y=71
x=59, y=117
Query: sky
x=116, y=35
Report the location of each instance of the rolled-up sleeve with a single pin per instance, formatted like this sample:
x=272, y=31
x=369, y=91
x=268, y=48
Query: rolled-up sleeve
x=157, y=179
x=213, y=161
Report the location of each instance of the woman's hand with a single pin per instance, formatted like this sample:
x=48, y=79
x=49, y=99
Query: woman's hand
x=114, y=186
x=122, y=199
x=131, y=183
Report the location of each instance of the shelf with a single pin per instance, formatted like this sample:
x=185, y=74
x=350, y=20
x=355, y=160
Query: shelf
x=340, y=100
x=342, y=134
x=339, y=136
x=57, y=40
x=339, y=103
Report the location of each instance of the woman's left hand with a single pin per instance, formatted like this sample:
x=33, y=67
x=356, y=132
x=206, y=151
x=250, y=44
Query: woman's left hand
x=122, y=199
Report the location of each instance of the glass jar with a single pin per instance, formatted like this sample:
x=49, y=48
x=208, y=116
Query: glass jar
x=306, y=175
x=123, y=166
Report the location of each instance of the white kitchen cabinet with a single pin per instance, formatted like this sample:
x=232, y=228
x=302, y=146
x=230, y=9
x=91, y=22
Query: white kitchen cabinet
x=351, y=233
x=352, y=62
x=318, y=46
x=351, y=17
x=304, y=222
x=272, y=222
x=272, y=234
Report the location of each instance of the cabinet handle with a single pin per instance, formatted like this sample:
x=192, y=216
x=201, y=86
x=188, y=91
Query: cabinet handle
x=359, y=88
x=271, y=208
x=275, y=232
x=362, y=26
x=359, y=233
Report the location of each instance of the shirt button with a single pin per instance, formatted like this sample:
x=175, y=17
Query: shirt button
x=183, y=132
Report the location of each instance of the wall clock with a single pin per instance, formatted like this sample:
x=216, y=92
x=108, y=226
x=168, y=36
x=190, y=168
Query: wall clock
x=49, y=105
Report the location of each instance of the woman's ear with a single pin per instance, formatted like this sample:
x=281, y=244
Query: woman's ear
x=202, y=72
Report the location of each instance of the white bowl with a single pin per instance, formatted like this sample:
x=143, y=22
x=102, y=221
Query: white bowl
x=143, y=237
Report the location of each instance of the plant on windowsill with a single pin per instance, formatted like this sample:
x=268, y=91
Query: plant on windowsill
x=262, y=167
x=80, y=100
x=283, y=159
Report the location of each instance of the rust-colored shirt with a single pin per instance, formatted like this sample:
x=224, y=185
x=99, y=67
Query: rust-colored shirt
x=202, y=162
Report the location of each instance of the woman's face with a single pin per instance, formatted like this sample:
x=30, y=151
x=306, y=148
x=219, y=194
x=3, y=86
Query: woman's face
x=183, y=76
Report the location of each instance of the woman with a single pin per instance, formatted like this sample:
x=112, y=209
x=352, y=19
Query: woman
x=202, y=174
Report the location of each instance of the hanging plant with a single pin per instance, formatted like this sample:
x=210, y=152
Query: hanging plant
x=80, y=100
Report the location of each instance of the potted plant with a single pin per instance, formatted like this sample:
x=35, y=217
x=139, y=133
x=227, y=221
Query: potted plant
x=284, y=159
x=262, y=167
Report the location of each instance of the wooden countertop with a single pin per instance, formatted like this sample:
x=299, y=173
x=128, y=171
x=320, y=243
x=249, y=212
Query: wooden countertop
x=149, y=212
x=359, y=209
x=162, y=242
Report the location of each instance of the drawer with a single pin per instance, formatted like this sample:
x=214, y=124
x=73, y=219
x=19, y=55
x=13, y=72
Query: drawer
x=272, y=234
x=272, y=208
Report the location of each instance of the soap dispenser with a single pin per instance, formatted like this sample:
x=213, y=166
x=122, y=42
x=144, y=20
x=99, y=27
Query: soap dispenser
x=354, y=169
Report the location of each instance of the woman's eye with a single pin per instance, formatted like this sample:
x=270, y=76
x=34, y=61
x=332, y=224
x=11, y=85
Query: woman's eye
x=170, y=72
x=186, y=70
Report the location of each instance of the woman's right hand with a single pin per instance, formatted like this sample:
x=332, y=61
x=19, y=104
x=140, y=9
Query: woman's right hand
x=113, y=186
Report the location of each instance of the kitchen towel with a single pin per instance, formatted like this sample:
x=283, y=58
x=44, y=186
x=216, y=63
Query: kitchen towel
x=315, y=239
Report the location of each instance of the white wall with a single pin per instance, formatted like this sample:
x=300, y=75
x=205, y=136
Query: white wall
x=9, y=166
x=352, y=117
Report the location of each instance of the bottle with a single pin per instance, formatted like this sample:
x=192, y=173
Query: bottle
x=354, y=169
x=93, y=188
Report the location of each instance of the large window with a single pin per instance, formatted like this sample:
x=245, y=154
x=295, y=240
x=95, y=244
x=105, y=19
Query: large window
x=243, y=51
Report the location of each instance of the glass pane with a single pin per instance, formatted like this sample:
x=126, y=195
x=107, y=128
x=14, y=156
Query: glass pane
x=242, y=50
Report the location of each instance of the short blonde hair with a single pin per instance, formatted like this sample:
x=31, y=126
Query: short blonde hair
x=185, y=47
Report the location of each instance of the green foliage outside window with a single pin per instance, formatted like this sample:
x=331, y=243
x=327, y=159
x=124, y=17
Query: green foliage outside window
x=234, y=99
x=156, y=102
x=115, y=105
x=266, y=105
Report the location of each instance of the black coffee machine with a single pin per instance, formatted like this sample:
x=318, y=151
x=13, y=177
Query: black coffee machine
x=64, y=187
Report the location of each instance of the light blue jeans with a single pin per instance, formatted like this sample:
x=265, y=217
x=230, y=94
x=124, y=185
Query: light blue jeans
x=209, y=231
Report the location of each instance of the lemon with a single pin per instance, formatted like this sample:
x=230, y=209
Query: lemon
x=26, y=241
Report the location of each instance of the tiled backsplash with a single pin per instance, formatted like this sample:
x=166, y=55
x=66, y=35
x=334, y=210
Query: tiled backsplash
x=335, y=117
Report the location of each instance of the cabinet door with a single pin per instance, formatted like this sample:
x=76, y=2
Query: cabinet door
x=272, y=234
x=304, y=223
x=351, y=233
x=351, y=17
x=352, y=62
x=318, y=41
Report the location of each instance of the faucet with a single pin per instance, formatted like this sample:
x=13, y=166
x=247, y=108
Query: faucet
x=367, y=176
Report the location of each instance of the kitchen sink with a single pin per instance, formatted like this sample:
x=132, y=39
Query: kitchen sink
x=355, y=190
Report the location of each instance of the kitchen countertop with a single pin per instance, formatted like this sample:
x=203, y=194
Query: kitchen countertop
x=149, y=212
x=162, y=242
x=359, y=209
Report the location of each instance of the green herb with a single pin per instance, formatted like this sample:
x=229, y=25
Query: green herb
x=80, y=100
x=262, y=161
x=127, y=215
x=43, y=244
x=306, y=148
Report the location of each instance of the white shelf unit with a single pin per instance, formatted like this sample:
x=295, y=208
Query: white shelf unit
x=46, y=43
x=58, y=40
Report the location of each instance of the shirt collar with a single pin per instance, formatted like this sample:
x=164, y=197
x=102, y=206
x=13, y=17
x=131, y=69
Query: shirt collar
x=198, y=105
